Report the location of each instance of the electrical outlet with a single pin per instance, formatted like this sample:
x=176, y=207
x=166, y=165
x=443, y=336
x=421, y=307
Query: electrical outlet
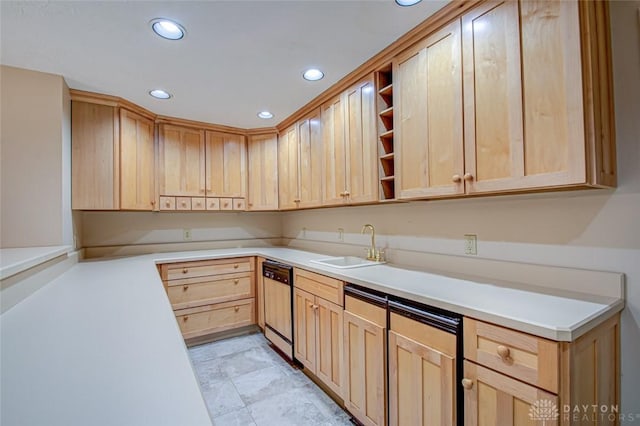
x=341, y=234
x=470, y=244
x=304, y=232
x=186, y=234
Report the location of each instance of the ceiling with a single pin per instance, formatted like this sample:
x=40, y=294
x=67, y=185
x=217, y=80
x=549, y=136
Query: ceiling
x=238, y=57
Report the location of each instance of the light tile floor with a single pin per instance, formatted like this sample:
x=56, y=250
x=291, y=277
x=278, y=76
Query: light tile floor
x=245, y=382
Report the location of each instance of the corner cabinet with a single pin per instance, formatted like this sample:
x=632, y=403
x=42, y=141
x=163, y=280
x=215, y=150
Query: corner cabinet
x=262, y=172
x=112, y=156
x=511, y=97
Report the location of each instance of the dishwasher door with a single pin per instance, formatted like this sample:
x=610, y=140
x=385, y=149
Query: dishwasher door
x=278, y=305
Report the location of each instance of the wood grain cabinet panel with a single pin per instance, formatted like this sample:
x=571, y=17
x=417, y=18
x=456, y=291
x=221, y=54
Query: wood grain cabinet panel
x=181, y=161
x=428, y=116
x=365, y=363
x=263, y=172
x=310, y=161
x=334, y=156
x=304, y=317
x=225, y=165
x=95, y=182
x=137, y=162
x=288, y=194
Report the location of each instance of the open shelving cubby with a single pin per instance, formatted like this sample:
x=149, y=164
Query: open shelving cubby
x=384, y=105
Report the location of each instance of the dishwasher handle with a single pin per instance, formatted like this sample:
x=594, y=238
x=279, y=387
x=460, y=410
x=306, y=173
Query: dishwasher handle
x=449, y=323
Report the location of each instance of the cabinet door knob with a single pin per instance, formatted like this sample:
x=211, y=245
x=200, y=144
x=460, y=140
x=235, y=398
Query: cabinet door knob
x=236, y=308
x=153, y=203
x=185, y=318
x=456, y=178
x=503, y=351
x=347, y=193
x=315, y=307
x=236, y=281
x=467, y=383
x=297, y=200
x=185, y=288
x=468, y=177
x=185, y=270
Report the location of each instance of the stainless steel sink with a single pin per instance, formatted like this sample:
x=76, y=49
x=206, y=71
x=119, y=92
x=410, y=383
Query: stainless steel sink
x=345, y=262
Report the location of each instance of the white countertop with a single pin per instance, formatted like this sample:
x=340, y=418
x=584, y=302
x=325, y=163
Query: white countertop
x=15, y=260
x=100, y=345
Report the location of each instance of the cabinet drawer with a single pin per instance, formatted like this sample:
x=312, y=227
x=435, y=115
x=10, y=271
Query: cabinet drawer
x=532, y=359
x=367, y=311
x=207, y=319
x=198, y=203
x=167, y=203
x=213, y=204
x=226, y=203
x=202, y=268
x=239, y=204
x=190, y=292
x=423, y=334
x=328, y=288
x=183, y=203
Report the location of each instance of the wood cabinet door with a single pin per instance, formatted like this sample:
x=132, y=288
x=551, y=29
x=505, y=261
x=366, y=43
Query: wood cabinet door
x=95, y=182
x=304, y=328
x=288, y=169
x=226, y=165
x=181, y=161
x=310, y=166
x=524, y=119
x=491, y=398
x=428, y=107
x=263, y=172
x=260, y=292
x=361, y=176
x=329, y=366
x=137, y=177
x=422, y=384
x=334, y=152
x=364, y=387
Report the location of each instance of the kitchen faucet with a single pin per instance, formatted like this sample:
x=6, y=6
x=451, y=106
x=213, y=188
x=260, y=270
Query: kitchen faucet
x=372, y=252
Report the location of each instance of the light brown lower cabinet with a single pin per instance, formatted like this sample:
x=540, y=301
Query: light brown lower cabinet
x=365, y=361
x=422, y=374
x=513, y=378
x=318, y=330
x=211, y=296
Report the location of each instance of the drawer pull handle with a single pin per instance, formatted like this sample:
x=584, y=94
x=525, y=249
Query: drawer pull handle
x=168, y=204
x=468, y=177
x=236, y=281
x=236, y=308
x=184, y=203
x=185, y=318
x=185, y=270
x=185, y=288
x=236, y=266
x=503, y=351
x=467, y=383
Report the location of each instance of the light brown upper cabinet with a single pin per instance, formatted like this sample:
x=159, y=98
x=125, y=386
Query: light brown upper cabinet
x=226, y=165
x=428, y=116
x=263, y=172
x=181, y=158
x=537, y=105
x=350, y=171
x=112, y=157
x=300, y=163
x=534, y=97
x=137, y=162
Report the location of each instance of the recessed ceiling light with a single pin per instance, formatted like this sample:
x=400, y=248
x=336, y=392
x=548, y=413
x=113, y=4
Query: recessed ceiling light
x=160, y=94
x=167, y=28
x=405, y=3
x=313, y=74
x=265, y=114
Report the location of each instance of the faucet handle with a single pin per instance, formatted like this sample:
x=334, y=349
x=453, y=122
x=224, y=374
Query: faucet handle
x=380, y=255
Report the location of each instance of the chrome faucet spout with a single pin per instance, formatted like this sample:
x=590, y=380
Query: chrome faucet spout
x=372, y=250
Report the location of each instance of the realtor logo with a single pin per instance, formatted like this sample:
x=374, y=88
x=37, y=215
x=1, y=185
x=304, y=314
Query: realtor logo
x=544, y=410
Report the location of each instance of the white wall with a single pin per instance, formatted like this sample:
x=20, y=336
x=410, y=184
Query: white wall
x=121, y=233
x=35, y=164
x=596, y=229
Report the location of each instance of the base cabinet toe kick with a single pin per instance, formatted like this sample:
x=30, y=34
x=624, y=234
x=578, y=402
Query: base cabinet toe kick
x=393, y=361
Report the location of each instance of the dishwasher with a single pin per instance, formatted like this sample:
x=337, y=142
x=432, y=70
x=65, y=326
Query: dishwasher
x=278, y=305
x=426, y=342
